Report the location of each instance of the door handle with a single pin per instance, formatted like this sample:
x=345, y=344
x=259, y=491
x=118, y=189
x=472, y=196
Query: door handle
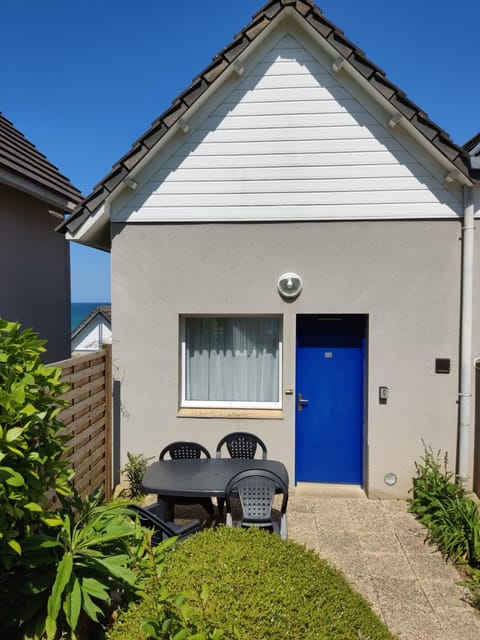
x=301, y=402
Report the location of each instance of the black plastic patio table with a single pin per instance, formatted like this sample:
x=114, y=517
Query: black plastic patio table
x=200, y=477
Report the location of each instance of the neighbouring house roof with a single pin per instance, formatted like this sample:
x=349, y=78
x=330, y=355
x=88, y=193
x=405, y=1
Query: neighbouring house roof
x=306, y=10
x=104, y=310
x=23, y=167
x=472, y=147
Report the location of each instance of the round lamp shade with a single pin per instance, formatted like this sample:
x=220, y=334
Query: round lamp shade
x=289, y=285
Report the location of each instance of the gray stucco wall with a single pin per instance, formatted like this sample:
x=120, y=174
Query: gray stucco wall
x=35, y=268
x=405, y=275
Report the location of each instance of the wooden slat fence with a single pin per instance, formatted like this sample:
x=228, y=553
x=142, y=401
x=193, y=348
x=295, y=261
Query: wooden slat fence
x=88, y=419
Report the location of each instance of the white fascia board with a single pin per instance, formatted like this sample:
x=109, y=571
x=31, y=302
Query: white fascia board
x=386, y=105
x=93, y=229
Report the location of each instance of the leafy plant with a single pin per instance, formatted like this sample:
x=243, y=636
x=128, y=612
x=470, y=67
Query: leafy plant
x=455, y=526
x=451, y=518
x=31, y=442
x=250, y=584
x=71, y=571
x=135, y=470
x=441, y=504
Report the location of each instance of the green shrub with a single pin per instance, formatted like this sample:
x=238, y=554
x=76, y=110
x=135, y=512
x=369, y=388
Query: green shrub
x=135, y=470
x=451, y=518
x=31, y=443
x=252, y=585
x=69, y=572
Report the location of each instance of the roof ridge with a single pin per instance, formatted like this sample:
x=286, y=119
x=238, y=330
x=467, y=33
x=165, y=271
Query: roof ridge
x=313, y=15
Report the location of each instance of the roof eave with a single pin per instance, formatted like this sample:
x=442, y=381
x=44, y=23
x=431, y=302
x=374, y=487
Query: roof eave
x=32, y=189
x=94, y=232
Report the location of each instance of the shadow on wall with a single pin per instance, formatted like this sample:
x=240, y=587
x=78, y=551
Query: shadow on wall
x=116, y=431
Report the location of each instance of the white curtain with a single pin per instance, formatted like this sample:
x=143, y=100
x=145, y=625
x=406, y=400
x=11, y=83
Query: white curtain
x=232, y=359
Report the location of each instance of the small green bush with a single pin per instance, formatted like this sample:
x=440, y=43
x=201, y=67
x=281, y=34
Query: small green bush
x=249, y=584
x=134, y=470
x=451, y=518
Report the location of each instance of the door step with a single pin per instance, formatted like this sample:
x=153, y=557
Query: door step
x=325, y=490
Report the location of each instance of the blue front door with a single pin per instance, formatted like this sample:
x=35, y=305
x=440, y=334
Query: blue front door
x=330, y=397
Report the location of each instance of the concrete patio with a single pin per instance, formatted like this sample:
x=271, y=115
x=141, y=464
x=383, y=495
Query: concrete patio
x=380, y=548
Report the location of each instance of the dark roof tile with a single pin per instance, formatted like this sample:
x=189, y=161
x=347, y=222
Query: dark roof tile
x=194, y=91
x=341, y=44
x=235, y=48
x=95, y=198
x=446, y=146
x=257, y=27
x=364, y=65
x=134, y=156
x=426, y=126
x=217, y=67
x=303, y=7
x=115, y=177
x=270, y=10
x=382, y=85
x=320, y=23
x=156, y=133
x=173, y=114
x=404, y=105
x=20, y=157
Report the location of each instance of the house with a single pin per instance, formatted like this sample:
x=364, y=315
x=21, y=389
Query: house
x=34, y=260
x=94, y=331
x=299, y=237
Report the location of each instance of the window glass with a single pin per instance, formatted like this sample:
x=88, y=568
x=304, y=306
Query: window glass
x=231, y=361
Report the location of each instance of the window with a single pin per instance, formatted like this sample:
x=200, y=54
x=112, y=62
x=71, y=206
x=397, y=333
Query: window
x=231, y=362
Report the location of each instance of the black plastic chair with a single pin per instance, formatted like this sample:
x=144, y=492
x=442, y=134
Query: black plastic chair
x=188, y=451
x=149, y=517
x=256, y=489
x=240, y=444
x=184, y=450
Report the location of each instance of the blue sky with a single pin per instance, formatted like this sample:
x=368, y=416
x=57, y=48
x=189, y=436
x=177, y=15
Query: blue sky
x=83, y=79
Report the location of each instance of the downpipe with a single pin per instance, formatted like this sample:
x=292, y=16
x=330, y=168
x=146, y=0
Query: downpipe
x=466, y=327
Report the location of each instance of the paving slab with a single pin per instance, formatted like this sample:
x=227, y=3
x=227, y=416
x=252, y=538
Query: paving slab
x=382, y=550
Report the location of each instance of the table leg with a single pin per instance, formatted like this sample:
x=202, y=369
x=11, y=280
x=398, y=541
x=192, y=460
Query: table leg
x=167, y=508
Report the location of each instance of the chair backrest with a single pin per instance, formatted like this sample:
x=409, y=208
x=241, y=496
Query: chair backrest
x=256, y=489
x=241, y=444
x=184, y=450
x=150, y=520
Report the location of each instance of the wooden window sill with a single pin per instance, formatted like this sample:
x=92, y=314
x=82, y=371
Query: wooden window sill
x=258, y=414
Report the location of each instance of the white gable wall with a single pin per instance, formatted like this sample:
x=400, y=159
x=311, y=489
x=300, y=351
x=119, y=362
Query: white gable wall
x=290, y=142
x=91, y=337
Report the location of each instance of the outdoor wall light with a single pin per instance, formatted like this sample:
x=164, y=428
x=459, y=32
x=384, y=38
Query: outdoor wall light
x=289, y=285
x=390, y=479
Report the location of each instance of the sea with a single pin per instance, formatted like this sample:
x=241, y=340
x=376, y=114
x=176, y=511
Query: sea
x=80, y=310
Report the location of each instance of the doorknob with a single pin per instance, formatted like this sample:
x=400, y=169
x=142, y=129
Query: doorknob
x=301, y=402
